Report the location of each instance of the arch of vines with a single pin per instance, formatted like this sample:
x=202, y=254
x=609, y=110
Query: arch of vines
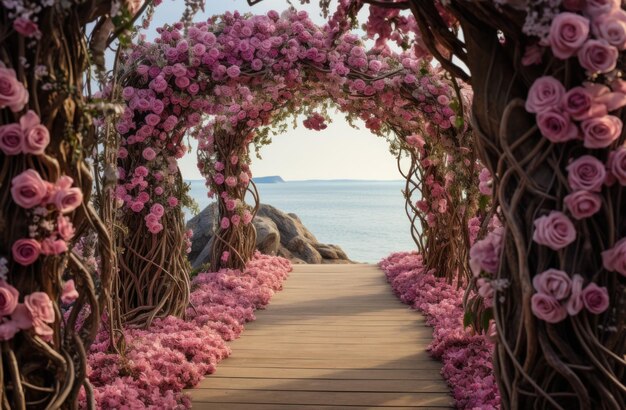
x=229, y=83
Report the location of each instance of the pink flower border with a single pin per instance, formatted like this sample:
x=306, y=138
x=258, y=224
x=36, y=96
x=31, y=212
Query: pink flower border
x=466, y=357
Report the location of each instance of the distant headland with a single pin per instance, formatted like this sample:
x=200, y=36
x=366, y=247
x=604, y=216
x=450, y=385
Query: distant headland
x=272, y=179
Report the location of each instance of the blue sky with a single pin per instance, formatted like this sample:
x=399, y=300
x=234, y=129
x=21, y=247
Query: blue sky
x=337, y=152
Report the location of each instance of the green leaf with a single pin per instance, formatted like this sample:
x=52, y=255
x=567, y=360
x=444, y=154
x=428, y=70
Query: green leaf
x=468, y=318
x=486, y=317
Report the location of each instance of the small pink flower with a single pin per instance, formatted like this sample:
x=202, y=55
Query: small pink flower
x=485, y=253
x=11, y=138
x=225, y=223
x=612, y=28
x=581, y=104
x=8, y=298
x=553, y=282
x=614, y=259
x=556, y=126
x=219, y=166
x=247, y=217
x=586, y=172
x=547, y=308
x=172, y=201
x=600, y=132
x=231, y=181
x=28, y=189
x=544, y=94
x=233, y=71
x=69, y=294
x=554, y=230
x=50, y=246
x=568, y=32
x=235, y=219
x=137, y=206
x=595, y=298
x=486, y=291
x=25, y=251
x=149, y=154
x=65, y=228
x=218, y=178
x=13, y=94
x=155, y=228
x=26, y=27
x=158, y=190
x=595, y=8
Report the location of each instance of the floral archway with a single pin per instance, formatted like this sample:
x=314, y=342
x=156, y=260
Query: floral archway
x=233, y=80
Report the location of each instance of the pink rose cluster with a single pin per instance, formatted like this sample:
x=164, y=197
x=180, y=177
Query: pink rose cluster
x=27, y=137
x=13, y=94
x=175, y=354
x=315, y=122
x=484, y=263
x=466, y=356
x=558, y=296
x=36, y=312
x=50, y=202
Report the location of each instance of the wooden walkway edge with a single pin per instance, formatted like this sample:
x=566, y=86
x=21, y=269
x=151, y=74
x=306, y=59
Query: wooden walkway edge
x=335, y=337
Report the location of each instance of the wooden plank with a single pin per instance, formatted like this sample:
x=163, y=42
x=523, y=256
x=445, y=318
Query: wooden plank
x=247, y=406
x=315, y=398
x=327, y=374
x=325, y=385
x=322, y=363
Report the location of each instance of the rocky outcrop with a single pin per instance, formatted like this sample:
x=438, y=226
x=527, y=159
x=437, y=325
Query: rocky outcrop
x=278, y=233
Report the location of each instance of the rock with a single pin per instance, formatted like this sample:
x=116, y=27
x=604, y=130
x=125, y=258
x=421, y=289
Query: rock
x=278, y=233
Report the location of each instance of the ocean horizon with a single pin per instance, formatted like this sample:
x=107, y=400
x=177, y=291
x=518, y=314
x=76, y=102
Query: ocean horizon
x=366, y=218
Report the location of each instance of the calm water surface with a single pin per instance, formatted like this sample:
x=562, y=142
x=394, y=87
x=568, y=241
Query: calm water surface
x=366, y=219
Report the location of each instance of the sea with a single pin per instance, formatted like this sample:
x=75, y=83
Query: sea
x=365, y=218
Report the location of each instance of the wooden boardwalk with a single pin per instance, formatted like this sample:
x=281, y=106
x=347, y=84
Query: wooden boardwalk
x=335, y=337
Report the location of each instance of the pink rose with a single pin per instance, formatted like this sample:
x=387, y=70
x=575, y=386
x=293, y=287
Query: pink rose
x=13, y=94
x=617, y=165
x=598, y=56
x=8, y=298
x=69, y=294
x=554, y=230
x=567, y=34
x=614, y=259
x=553, y=282
x=25, y=251
x=67, y=200
x=233, y=71
x=556, y=126
x=40, y=306
x=65, y=228
x=583, y=204
x=36, y=136
x=587, y=173
x=231, y=181
x=26, y=27
x=247, y=217
x=225, y=256
x=601, y=132
x=50, y=246
x=544, y=94
x=158, y=190
x=225, y=223
x=547, y=308
x=219, y=179
x=11, y=137
x=157, y=209
x=575, y=302
x=41, y=310
x=28, y=189
x=8, y=330
x=137, y=206
x=595, y=298
x=172, y=201
x=612, y=28
x=155, y=228
x=149, y=154
x=485, y=254
x=235, y=219
x=580, y=104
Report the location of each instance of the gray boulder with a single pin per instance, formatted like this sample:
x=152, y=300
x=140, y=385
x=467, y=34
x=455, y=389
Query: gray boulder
x=278, y=233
